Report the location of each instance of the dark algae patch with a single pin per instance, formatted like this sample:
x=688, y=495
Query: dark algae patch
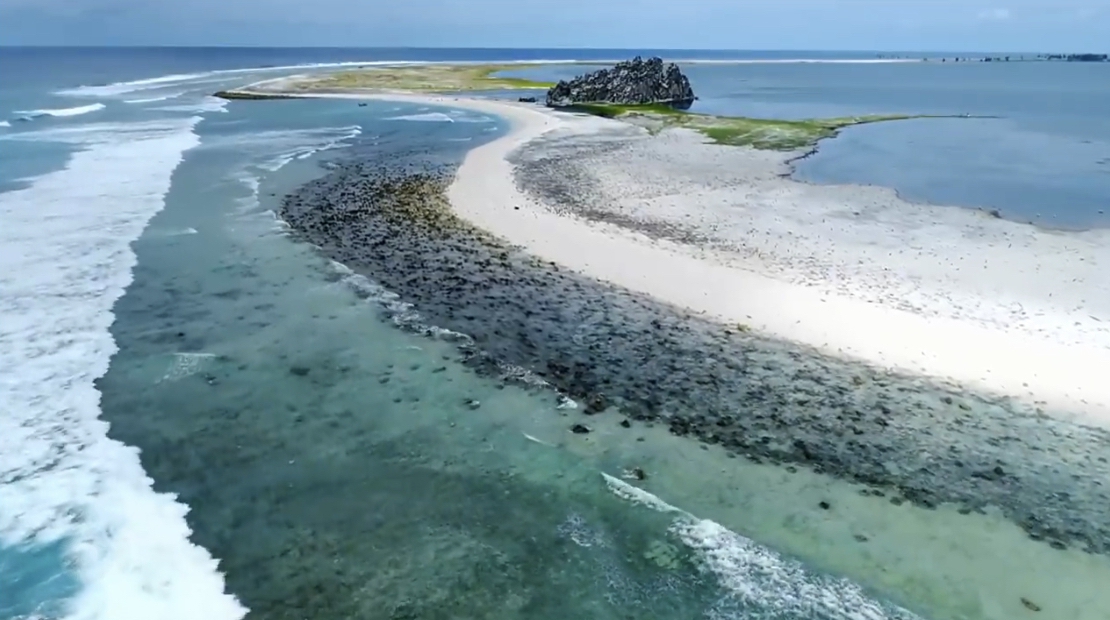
x=761, y=399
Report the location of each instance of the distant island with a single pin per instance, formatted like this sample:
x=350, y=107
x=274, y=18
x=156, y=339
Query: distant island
x=1087, y=57
x=644, y=92
x=1078, y=57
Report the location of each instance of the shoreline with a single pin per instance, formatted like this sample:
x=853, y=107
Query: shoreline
x=1064, y=378
x=633, y=361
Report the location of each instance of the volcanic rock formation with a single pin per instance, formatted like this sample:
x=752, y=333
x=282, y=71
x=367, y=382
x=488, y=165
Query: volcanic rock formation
x=633, y=82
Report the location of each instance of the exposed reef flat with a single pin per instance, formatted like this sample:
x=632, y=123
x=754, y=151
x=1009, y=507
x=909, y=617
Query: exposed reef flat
x=622, y=353
x=780, y=386
x=772, y=134
x=759, y=133
x=406, y=78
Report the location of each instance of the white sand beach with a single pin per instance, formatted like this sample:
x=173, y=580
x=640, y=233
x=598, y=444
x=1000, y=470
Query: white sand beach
x=949, y=293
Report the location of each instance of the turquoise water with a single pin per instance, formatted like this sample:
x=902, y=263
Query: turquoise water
x=301, y=456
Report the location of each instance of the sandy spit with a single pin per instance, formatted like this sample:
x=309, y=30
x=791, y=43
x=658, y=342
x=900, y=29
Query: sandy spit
x=1059, y=360
x=1041, y=336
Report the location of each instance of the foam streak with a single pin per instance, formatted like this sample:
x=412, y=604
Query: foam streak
x=65, y=259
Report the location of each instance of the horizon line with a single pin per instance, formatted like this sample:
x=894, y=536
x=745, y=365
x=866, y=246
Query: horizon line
x=511, y=48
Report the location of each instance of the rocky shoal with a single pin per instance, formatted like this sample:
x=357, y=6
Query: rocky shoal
x=620, y=353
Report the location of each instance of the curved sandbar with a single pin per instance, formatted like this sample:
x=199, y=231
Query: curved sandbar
x=1065, y=371
x=615, y=179
x=1025, y=316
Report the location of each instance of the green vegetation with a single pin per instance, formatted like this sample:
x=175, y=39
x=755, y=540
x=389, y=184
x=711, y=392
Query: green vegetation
x=768, y=134
x=425, y=78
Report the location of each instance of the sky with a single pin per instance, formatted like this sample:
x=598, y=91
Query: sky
x=886, y=25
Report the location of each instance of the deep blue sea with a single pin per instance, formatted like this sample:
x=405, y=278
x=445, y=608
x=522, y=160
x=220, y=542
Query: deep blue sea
x=301, y=455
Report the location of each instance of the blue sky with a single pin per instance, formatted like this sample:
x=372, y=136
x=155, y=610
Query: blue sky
x=962, y=25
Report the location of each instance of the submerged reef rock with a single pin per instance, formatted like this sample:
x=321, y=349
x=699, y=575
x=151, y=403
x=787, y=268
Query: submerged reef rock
x=624, y=356
x=633, y=82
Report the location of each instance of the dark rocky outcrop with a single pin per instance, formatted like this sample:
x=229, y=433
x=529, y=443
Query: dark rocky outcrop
x=633, y=82
x=1080, y=57
x=248, y=95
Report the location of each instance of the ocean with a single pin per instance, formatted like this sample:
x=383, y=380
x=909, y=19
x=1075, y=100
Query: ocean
x=202, y=416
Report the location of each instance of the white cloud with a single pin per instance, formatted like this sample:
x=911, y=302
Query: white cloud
x=995, y=14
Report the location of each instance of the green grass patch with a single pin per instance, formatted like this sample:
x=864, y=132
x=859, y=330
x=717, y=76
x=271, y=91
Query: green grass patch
x=426, y=78
x=767, y=134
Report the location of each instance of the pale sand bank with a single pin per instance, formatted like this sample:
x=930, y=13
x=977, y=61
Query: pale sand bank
x=944, y=292
x=854, y=271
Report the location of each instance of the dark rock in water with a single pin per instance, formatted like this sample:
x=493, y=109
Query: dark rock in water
x=249, y=95
x=579, y=429
x=527, y=100
x=633, y=82
x=597, y=404
x=300, y=371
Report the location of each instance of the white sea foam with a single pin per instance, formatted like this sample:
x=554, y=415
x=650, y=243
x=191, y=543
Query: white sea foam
x=66, y=258
x=117, y=89
x=314, y=141
x=186, y=365
x=61, y=112
x=275, y=150
x=441, y=117
x=207, y=104
x=5, y=124
x=122, y=88
x=169, y=232
x=426, y=117
x=756, y=576
x=279, y=147
x=166, y=97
